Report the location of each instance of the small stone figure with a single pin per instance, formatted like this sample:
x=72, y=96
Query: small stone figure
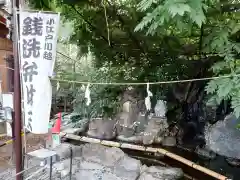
x=160, y=108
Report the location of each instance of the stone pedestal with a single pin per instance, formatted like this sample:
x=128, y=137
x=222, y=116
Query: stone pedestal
x=45, y=155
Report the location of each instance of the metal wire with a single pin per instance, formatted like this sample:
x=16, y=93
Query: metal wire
x=22, y=172
x=35, y=173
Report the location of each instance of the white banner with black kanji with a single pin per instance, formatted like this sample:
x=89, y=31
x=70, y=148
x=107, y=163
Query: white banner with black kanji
x=38, y=39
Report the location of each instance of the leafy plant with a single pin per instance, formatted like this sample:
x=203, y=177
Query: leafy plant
x=179, y=33
x=217, y=23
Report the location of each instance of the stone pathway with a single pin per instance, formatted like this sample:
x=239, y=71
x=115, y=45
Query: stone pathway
x=95, y=162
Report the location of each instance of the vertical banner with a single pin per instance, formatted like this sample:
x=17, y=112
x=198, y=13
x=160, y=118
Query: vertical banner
x=38, y=39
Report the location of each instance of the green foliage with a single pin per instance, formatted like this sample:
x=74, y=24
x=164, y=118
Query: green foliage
x=179, y=33
x=181, y=12
x=216, y=25
x=104, y=98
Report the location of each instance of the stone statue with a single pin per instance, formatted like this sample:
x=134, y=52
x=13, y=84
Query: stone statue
x=130, y=111
x=160, y=108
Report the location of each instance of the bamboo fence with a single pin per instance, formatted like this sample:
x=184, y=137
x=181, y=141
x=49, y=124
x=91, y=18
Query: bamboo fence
x=146, y=149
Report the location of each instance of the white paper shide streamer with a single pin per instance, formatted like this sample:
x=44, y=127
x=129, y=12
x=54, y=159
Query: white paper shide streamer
x=87, y=95
x=58, y=85
x=148, y=98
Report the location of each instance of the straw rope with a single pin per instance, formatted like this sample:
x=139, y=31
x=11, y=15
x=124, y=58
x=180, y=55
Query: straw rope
x=146, y=149
x=144, y=83
x=133, y=83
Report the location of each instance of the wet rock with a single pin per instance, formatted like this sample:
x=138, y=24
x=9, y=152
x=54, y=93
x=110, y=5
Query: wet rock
x=173, y=131
x=143, y=168
x=199, y=141
x=106, y=164
x=63, y=167
x=205, y=153
x=129, y=166
x=146, y=131
x=156, y=128
x=169, y=141
x=127, y=121
x=134, y=134
x=224, y=138
x=233, y=162
x=161, y=173
x=99, y=162
x=102, y=129
x=93, y=171
x=211, y=114
x=179, y=136
x=102, y=154
x=109, y=156
x=63, y=151
x=141, y=123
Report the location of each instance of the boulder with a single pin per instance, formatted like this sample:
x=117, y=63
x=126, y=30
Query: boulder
x=224, y=137
x=102, y=154
x=205, y=153
x=63, y=169
x=127, y=121
x=102, y=129
x=92, y=171
x=127, y=168
x=63, y=151
x=134, y=134
x=161, y=173
x=233, y=162
x=179, y=136
x=174, y=130
x=107, y=164
x=156, y=127
x=95, y=161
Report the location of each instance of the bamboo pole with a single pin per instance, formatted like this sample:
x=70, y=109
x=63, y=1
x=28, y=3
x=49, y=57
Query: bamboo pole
x=146, y=149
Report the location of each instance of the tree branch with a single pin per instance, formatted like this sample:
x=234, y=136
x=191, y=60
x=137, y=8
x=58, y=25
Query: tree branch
x=133, y=38
x=90, y=24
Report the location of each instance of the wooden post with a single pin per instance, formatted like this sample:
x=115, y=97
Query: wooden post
x=17, y=94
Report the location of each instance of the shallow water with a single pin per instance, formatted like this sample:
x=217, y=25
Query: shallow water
x=219, y=164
